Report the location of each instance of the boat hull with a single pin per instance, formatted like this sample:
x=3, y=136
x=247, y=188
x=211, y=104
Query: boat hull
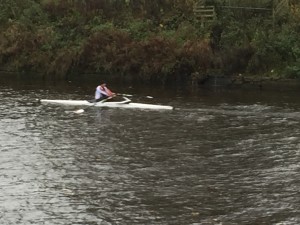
x=122, y=104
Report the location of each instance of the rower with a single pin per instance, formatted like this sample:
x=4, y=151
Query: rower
x=102, y=92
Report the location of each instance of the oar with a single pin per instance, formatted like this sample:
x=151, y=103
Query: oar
x=130, y=95
x=82, y=110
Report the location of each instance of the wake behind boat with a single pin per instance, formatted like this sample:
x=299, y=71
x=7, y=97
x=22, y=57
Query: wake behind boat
x=126, y=103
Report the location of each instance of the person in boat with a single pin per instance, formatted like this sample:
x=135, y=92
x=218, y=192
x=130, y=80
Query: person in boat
x=102, y=92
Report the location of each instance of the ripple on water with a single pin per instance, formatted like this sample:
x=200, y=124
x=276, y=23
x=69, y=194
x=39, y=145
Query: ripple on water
x=201, y=164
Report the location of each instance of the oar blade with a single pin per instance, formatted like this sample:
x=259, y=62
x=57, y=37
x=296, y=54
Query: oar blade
x=79, y=111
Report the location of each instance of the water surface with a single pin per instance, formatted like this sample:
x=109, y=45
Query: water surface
x=221, y=157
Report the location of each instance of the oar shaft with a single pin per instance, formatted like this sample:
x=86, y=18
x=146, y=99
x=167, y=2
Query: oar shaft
x=130, y=95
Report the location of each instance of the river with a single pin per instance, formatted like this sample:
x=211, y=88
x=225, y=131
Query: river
x=222, y=156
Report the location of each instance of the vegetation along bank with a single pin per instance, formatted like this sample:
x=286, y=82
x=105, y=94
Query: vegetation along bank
x=162, y=41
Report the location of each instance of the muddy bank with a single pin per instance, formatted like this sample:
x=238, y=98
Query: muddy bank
x=240, y=81
x=204, y=81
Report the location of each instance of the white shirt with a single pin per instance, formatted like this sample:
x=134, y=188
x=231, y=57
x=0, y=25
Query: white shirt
x=101, y=91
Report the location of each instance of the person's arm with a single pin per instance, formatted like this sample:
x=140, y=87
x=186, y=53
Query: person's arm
x=109, y=92
x=102, y=91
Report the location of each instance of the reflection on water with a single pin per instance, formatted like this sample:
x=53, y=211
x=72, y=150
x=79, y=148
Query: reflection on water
x=218, y=158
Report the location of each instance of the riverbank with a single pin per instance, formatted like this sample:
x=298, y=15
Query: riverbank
x=215, y=82
x=144, y=44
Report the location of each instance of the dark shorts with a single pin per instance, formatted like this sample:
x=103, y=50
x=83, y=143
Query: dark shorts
x=97, y=100
x=102, y=98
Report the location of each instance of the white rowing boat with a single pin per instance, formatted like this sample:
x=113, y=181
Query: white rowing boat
x=121, y=104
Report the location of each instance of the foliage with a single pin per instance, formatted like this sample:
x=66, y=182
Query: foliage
x=28, y=12
x=293, y=71
x=150, y=40
x=138, y=29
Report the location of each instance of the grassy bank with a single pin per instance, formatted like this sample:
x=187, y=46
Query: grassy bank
x=144, y=41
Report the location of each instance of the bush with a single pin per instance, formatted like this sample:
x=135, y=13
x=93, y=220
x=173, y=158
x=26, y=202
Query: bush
x=293, y=71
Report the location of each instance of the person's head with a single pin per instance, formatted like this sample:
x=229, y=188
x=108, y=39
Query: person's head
x=102, y=84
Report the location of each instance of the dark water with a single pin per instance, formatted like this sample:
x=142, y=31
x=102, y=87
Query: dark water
x=221, y=157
